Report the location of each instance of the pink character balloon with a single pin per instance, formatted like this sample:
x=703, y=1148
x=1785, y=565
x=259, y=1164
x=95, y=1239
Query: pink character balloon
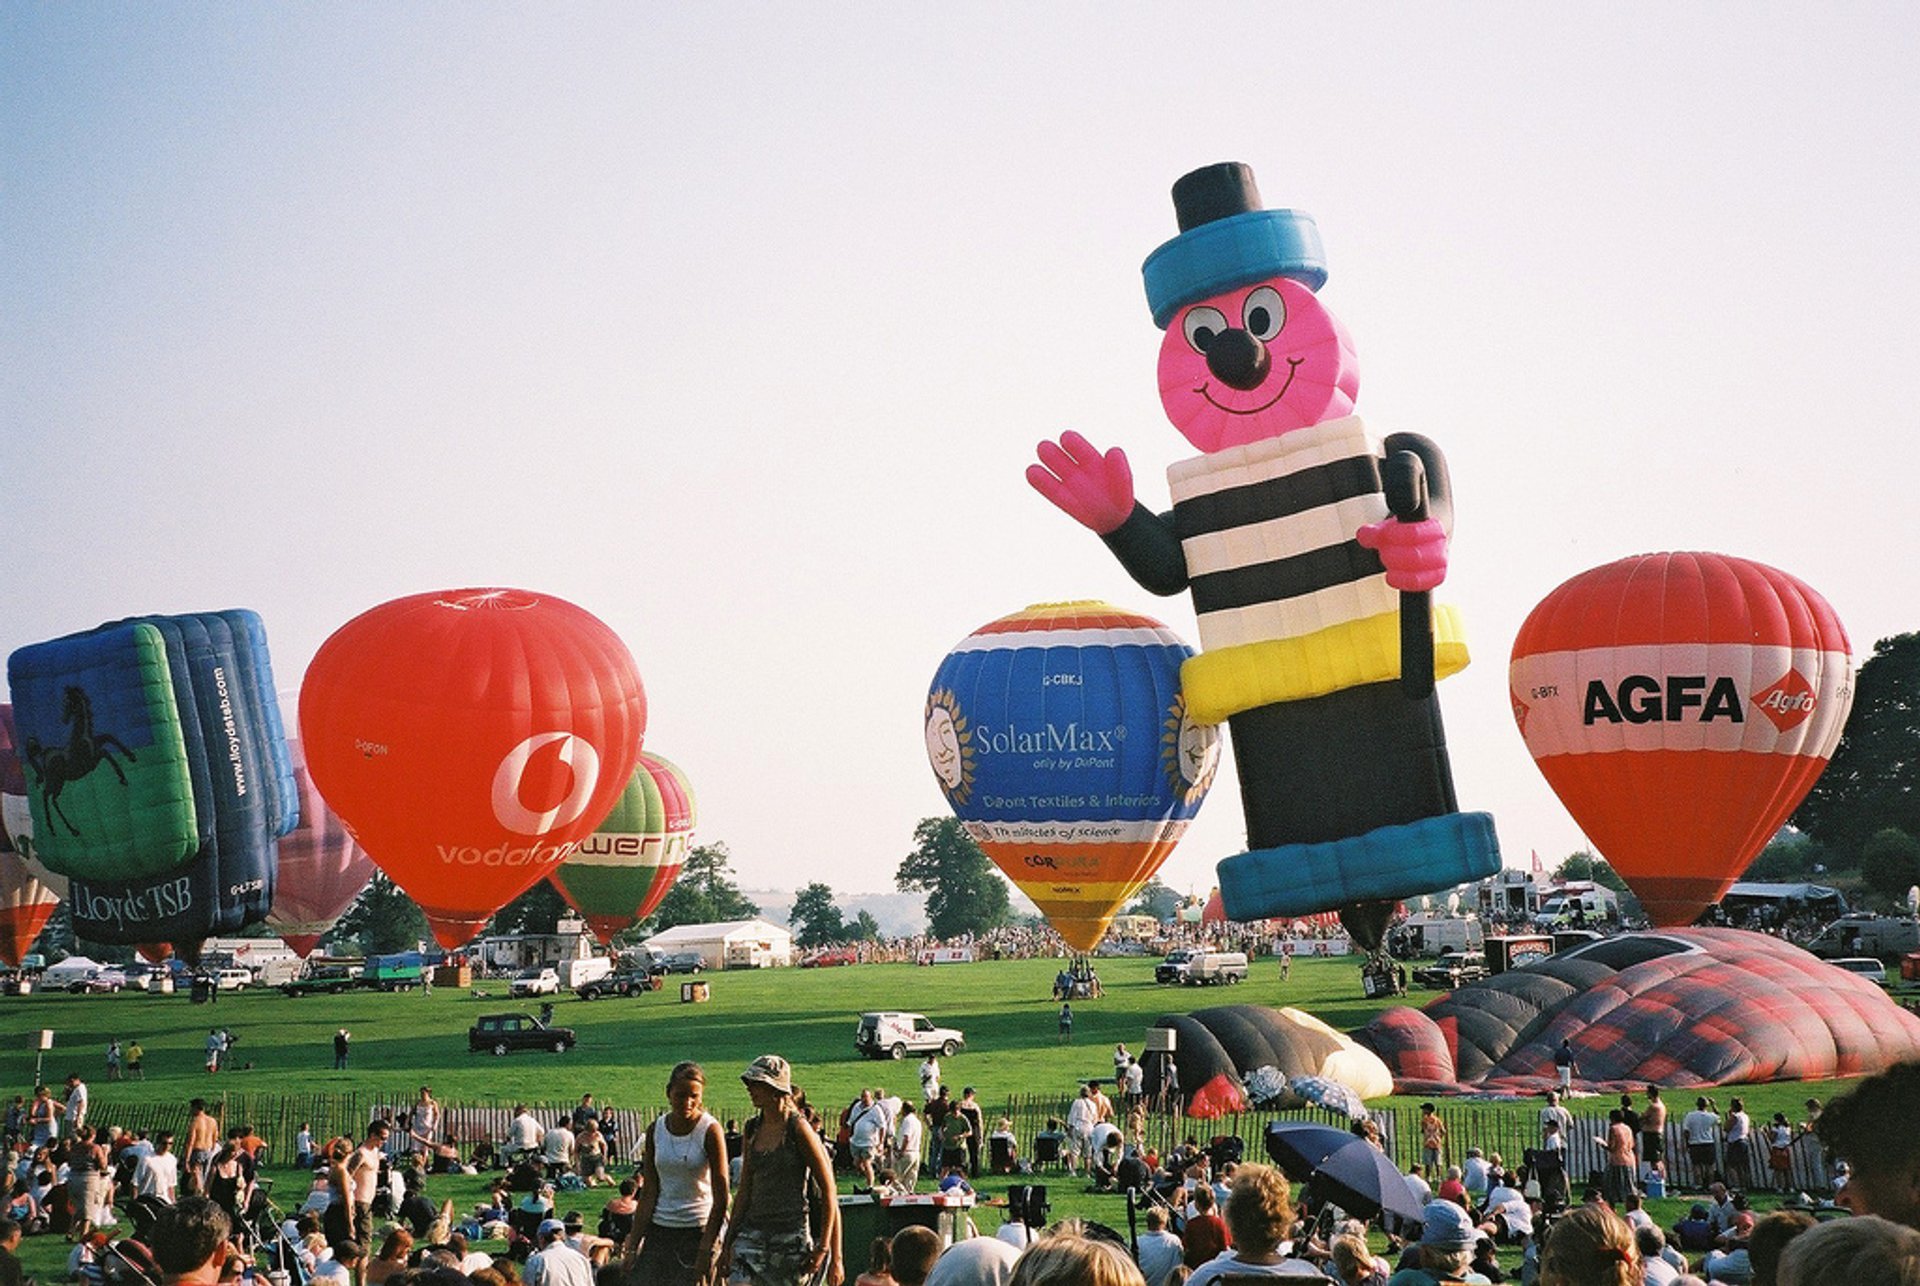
x=1294, y=530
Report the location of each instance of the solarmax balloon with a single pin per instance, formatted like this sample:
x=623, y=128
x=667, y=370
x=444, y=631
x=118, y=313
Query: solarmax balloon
x=470, y=739
x=621, y=872
x=1681, y=705
x=322, y=870
x=1061, y=739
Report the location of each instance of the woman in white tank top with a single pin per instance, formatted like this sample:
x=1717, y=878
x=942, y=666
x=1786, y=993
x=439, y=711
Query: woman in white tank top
x=683, y=1202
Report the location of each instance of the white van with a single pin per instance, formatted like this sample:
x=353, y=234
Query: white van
x=895, y=1035
x=1866, y=966
x=1209, y=968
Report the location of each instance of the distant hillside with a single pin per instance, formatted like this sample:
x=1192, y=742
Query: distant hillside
x=900, y=915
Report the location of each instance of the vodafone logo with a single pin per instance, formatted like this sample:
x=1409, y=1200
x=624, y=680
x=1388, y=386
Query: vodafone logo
x=574, y=753
x=1787, y=702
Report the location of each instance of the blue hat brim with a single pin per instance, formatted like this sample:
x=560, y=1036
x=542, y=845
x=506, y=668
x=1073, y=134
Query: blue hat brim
x=1232, y=252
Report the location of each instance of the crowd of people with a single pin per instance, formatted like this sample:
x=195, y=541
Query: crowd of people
x=694, y=1201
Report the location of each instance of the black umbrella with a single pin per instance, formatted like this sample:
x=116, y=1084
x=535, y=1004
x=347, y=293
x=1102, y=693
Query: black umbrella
x=1298, y=1147
x=1360, y=1180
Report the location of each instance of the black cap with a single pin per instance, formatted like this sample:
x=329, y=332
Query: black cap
x=1212, y=192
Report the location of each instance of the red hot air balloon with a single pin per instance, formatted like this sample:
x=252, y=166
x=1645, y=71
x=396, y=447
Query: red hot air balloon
x=28, y=891
x=1681, y=705
x=321, y=869
x=470, y=739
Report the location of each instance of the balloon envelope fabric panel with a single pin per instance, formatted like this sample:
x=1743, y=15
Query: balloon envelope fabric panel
x=1061, y=739
x=322, y=870
x=624, y=869
x=470, y=739
x=1681, y=705
x=107, y=771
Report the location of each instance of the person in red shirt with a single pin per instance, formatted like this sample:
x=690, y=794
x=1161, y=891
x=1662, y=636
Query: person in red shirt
x=1453, y=1188
x=1205, y=1235
x=1621, y=1176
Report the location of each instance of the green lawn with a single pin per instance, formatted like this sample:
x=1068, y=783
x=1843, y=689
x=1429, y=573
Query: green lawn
x=626, y=1046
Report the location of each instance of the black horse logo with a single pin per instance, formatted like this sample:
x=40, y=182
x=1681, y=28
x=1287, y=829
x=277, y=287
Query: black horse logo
x=85, y=750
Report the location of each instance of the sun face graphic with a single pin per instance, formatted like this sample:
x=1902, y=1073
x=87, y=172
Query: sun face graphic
x=949, y=745
x=1189, y=752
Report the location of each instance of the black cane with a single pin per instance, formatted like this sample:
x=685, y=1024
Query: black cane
x=1404, y=479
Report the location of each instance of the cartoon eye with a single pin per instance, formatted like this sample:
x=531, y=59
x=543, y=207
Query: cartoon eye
x=1265, y=313
x=1201, y=325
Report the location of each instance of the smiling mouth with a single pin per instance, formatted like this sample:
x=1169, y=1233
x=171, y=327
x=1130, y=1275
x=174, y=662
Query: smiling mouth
x=1293, y=368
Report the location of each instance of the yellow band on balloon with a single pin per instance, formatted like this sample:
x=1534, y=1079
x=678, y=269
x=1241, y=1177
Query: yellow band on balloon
x=1226, y=681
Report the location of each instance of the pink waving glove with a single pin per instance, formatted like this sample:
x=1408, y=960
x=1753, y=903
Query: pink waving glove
x=1095, y=490
x=1415, y=553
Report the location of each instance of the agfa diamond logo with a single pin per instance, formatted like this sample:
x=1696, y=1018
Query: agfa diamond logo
x=1787, y=702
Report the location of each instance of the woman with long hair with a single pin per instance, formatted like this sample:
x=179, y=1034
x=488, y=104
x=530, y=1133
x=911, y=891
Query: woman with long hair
x=392, y=1257
x=683, y=1196
x=1592, y=1246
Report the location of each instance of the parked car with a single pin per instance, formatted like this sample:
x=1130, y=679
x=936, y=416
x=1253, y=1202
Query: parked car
x=684, y=962
x=1212, y=968
x=624, y=982
x=328, y=979
x=1452, y=969
x=1868, y=967
x=106, y=979
x=831, y=956
x=1174, y=967
x=534, y=982
x=501, y=1034
x=891, y=1034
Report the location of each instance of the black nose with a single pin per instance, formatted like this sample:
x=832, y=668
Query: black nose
x=1238, y=360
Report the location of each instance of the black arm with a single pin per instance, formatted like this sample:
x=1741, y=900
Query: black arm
x=1148, y=549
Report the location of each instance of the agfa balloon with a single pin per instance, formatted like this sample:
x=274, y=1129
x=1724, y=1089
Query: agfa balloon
x=1061, y=739
x=322, y=869
x=1681, y=705
x=470, y=739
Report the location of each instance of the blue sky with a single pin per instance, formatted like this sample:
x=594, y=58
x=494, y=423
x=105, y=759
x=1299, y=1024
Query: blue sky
x=737, y=325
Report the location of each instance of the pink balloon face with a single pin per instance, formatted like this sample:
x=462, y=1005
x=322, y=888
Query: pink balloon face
x=1311, y=374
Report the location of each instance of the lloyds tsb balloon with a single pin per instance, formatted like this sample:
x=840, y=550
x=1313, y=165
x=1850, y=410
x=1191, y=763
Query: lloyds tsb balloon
x=1061, y=738
x=1681, y=706
x=621, y=872
x=157, y=773
x=470, y=739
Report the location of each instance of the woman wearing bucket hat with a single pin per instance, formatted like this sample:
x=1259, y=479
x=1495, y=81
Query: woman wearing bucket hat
x=786, y=1180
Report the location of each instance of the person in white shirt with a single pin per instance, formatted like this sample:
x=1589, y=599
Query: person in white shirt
x=866, y=1126
x=1082, y=1116
x=1700, y=1129
x=523, y=1134
x=1135, y=1084
x=907, y=1138
x=1557, y=1114
x=158, y=1173
x=556, y=1146
x=76, y=1101
x=1417, y=1184
x=1160, y=1250
x=929, y=1079
x=1474, y=1174
x=556, y=1263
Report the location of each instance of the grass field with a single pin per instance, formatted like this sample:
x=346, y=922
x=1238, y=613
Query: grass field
x=626, y=1046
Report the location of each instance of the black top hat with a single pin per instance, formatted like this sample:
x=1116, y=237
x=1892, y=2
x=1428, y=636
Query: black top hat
x=1217, y=191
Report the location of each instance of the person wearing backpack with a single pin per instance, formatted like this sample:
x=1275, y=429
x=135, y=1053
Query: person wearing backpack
x=771, y=1239
x=683, y=1200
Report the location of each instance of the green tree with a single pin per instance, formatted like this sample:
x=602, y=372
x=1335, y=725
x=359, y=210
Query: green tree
x=538, y=910
x=1890, y=862
x=704, y=894
x=1155, y=899
x=1587, y=866
x=1789, y=856
x=1870, y=785
x=383, y=919
x=965, y=894
x=864, y=928
x=815, y=919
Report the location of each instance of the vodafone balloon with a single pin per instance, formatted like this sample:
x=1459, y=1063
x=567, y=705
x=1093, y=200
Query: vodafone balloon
x=1681, y=705
x=470, y=739
x=321, y=869
x=621, y=872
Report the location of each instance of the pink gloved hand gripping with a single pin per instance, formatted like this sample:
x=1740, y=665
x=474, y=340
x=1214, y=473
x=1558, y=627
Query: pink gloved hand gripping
x=1414, y=553
x=1093, y=489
